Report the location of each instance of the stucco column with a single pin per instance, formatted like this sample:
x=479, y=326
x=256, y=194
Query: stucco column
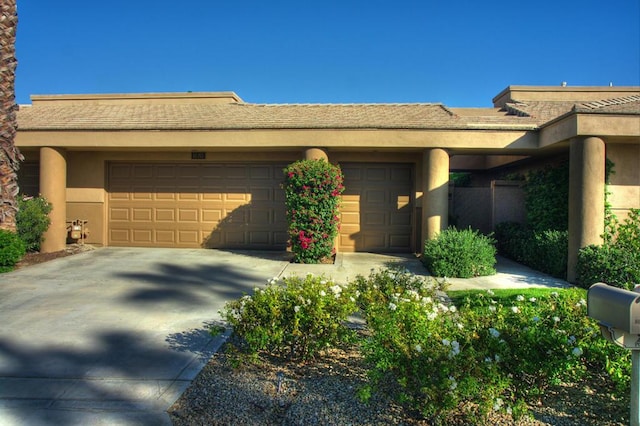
x=315, y=154
x=435, y=195
x=586, y=197
x=53, y=187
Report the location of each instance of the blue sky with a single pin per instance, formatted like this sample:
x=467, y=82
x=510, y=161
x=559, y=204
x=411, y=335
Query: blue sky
x=460, y=53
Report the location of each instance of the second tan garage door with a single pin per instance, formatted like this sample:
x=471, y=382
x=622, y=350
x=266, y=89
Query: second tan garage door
x=376, y=207
x=195, y=205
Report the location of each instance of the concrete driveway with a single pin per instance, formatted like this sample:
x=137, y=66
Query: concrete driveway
x=114, y=335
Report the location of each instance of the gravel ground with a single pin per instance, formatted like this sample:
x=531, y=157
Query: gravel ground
x=324, y=393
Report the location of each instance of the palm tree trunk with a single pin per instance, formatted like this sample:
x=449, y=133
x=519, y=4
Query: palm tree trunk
x=10, y=156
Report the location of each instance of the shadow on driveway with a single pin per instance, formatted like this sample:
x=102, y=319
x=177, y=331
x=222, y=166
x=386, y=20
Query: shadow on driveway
x=113, y=336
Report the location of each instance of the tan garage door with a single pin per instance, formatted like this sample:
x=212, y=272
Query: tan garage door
x=194, y=205
x=376, y=207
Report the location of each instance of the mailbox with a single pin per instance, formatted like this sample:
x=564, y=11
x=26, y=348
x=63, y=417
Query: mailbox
x=618, y=312
x=614, y=307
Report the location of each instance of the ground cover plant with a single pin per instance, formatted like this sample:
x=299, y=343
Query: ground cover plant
x=449, y=356
x=312, y=198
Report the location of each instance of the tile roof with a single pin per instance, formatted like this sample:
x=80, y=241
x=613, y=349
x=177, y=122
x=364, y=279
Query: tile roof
x=230, y=116
x=167, y=115
x=625, y=105
x=545, y=111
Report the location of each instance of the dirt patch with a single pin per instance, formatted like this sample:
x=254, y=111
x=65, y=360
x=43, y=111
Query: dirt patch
x=37, y=257
x=324, y=392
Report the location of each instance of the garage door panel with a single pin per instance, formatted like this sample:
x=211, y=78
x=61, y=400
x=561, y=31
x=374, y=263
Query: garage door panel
x=188, y=196
x=375, y=241
x=119, y=236
x=188, y=172
x=143, y=194
x=165, y=194
x=188, y=215
x=142, y=214
x=212, y=194
x=400, y=174
x=142, y=172
x=375, y=219
x=261, y=194
x=355, y=173
x=186, y=237
x=119, y=214
x=236, y=172
x=259, y=217
x=237, y=194
x=142, y=236
x=350, y=218
x=212, y=171
x=261, y=172
x=376, y=174
x=259, y=238
x=399, y=242
x=234, y=239
x=165, y=171
x=211, y=216
x=375, y=196
x=165, y=215
x=402, y=219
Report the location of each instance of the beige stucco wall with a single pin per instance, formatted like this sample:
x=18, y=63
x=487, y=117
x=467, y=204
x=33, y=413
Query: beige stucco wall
x=624, y=185
x=349, y=139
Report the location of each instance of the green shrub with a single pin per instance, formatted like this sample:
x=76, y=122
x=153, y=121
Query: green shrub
x=32, y=221
x=545, y=251
x=493, y=352
x=627, y=234
x=512, y=239
x=295, y=318
x=548, y=252
x=460, y=253
x=547, y=198
x=312, y=192
x=613, y=265
x=11, y=250
x=617, y=261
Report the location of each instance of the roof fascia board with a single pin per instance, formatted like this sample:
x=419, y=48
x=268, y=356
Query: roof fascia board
x=120, y=98
x=276, y=139
x=600, y=125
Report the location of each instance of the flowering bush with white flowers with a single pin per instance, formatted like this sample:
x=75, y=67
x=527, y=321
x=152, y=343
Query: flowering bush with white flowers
x=493, y=352
x=537, y=341
x=461, y=354
x=423, y=343
x=293, y=317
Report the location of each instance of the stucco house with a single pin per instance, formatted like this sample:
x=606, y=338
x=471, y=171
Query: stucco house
x=204, y=169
